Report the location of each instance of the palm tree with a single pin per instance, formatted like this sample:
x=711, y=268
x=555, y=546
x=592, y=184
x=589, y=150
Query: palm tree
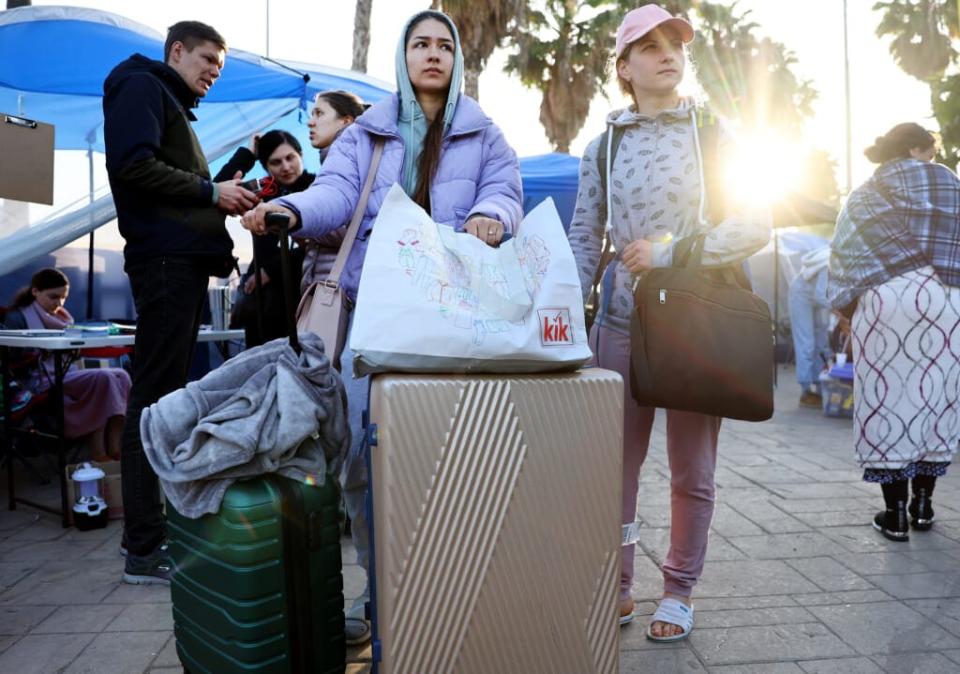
x=747, y=77
x=921, y=31
x=361, y=35
x=483, y=25
x=564, y=52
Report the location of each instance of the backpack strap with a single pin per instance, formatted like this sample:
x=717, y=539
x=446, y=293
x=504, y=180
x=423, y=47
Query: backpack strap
x=606, y=155
x=609, y=146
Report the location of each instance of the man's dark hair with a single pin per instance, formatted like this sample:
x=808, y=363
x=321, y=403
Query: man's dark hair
x=191, y=34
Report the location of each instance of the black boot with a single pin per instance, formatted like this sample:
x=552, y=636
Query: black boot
x=921, y=505
x=892, y=522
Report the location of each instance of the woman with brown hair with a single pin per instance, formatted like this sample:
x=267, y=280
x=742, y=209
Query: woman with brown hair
x=448, y=157
x=332, y=113
x=895, y=267
x=95, y=400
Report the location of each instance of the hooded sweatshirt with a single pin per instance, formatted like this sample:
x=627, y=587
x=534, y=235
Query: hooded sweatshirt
x=412, y=122
x=158, y=173
x=478, y=172
x=656, y=193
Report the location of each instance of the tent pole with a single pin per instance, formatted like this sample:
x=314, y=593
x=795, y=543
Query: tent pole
x=776, y=299
x=91, y=249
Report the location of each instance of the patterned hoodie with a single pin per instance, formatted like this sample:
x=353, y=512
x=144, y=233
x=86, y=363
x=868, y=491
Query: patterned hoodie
x=657, y=193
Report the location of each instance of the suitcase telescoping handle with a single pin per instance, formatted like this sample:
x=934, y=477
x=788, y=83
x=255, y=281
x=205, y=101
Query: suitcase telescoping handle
x=258, y=284
x=280, y=223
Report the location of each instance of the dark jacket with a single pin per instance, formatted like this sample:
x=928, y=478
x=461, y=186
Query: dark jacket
x=266, y=247
x=158, y=173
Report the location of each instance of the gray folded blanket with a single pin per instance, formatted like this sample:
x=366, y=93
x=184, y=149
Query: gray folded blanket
x=266, y=410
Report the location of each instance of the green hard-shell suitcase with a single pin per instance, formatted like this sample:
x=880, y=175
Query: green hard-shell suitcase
x=258, y=586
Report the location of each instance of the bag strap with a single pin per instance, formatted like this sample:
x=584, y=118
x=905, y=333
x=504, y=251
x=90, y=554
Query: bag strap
x=732, y=274
x=334, y=278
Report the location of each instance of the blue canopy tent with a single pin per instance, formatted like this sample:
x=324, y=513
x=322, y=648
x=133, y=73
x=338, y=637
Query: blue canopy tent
x=61, y=83
x=551, y=175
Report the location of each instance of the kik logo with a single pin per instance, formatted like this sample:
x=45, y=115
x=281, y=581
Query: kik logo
x=555, y=328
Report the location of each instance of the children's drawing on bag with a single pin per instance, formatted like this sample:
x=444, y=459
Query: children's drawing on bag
x=448, y=282
x=408, y=247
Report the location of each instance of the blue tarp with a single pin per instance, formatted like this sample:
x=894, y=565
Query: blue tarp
x=551, y=175
x=53, y=61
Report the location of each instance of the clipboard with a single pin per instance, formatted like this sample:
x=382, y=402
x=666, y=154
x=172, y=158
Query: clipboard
x=30, y=177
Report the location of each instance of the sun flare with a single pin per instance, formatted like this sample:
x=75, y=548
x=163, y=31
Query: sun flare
x=763, y=168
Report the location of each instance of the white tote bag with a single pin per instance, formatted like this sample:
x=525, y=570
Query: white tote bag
x=434, y=300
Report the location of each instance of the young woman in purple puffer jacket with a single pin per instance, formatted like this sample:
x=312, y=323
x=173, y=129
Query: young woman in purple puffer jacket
x=447, y=155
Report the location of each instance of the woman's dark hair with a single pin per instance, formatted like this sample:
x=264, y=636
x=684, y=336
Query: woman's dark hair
x=430, y=156
x=898, y=142
x=271, y=140
x=45, y=279
x=344, y=103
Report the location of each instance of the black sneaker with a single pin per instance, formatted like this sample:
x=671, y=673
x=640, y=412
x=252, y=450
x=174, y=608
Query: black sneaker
x=892, y=523
x=153, y=569
x=921, y=511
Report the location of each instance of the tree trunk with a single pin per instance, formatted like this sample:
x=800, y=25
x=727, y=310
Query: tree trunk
x=361, y=35
x=471, y=83
x=13, y=4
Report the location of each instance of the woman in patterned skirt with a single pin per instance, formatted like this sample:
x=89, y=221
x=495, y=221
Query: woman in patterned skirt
x=896, y=257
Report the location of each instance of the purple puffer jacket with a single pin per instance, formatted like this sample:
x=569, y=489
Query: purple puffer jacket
x=478, y=174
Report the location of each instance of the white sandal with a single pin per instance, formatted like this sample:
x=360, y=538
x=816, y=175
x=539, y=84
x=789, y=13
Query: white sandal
x=674, y=612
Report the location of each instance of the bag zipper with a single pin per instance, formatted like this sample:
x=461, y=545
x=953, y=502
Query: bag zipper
x=682, y=293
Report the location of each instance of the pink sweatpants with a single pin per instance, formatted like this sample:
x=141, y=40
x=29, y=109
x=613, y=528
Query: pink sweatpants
x=692, y=454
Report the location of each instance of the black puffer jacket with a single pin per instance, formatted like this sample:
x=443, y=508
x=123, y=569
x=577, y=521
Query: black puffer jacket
x=158, y=173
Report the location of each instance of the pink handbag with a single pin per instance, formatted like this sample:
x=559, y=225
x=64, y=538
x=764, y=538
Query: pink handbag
x=323, y=308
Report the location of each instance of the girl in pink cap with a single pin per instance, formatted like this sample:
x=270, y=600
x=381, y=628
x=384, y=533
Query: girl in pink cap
x=658, y=157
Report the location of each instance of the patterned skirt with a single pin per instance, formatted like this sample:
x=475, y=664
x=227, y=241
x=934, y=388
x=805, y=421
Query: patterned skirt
x=906, y=350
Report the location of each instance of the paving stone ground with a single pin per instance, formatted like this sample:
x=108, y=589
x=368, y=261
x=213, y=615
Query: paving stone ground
x=796, y=581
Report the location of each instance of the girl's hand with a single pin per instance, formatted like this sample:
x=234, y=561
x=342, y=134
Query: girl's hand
x=255, y=220
x=486, y=229
x=61, y=312
x=638, y=256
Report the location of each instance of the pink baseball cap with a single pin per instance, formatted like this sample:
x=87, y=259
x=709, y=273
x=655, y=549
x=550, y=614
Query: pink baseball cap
x=640, y=21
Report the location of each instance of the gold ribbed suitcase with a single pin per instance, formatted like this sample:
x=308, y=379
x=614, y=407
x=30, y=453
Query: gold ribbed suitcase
x=496, y=510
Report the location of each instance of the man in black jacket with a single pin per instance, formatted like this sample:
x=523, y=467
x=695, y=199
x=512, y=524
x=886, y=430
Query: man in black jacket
x=171, y=216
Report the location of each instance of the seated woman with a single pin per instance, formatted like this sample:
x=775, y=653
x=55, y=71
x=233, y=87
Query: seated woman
x=94, y=401
x=281, y=156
